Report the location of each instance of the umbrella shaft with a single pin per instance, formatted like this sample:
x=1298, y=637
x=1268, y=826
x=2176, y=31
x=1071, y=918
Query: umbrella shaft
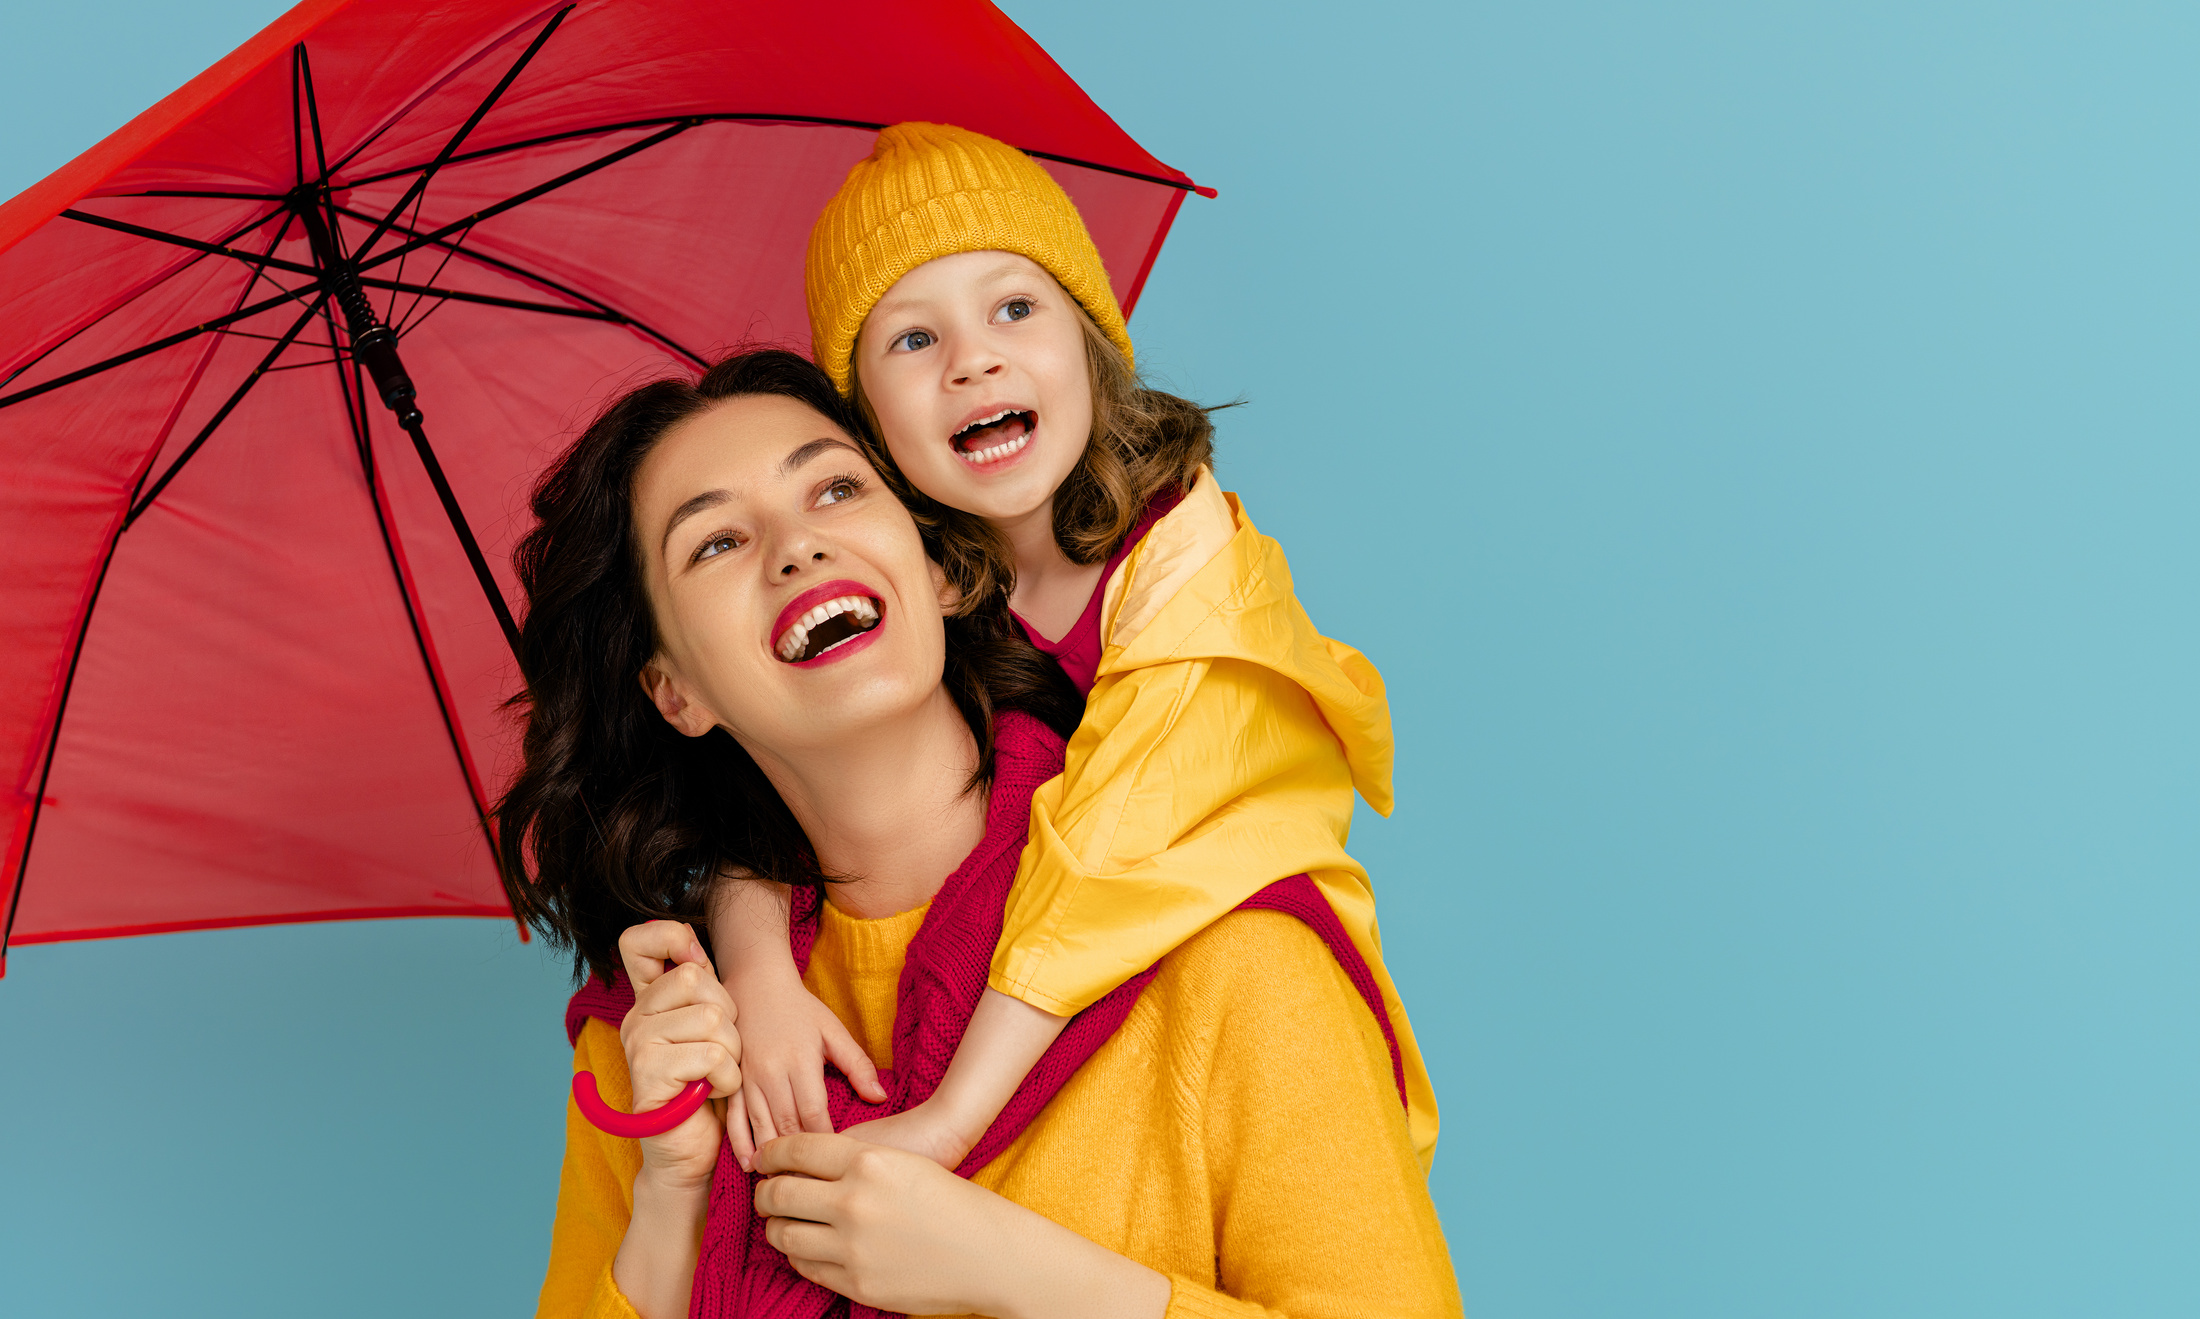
x=372, y=343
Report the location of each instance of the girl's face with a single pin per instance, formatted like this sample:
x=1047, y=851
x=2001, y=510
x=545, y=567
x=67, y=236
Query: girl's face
x=794, y=603
x=974, y=365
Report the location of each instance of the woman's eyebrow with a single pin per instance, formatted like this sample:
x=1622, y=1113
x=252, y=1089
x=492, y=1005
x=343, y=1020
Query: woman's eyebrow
x=707, y=499
x=808, y=451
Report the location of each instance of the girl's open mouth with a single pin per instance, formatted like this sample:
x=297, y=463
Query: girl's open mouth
x=990, y=439
x=825, y=620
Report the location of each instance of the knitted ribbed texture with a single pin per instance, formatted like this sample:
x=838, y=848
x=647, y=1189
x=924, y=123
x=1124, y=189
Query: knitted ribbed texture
x=738, y=1275
x=931, y=190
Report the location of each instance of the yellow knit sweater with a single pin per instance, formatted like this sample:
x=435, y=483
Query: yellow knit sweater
x=1240, y=1133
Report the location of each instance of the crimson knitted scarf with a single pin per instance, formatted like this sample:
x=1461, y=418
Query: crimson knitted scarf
x=739, y=1275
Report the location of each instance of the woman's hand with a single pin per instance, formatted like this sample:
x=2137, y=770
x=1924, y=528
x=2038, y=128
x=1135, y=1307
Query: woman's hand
x=680, y=1030
x=896, y=1231
x=787, y=1037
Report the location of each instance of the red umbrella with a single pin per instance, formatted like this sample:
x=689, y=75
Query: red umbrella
x=278, y=359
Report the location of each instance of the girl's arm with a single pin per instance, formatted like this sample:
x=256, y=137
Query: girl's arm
x=1004, y=1041
x=898, y=1232
x=787, y=1036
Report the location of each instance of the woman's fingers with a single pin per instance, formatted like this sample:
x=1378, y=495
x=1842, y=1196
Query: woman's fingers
x=791, y=1195
x=667, y=1068
x=828, y=1158
x=803, y=1243
x=644, y=949
x=843, y=1052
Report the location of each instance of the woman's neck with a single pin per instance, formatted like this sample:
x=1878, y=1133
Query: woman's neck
x=1051, y=592
x=888, y=810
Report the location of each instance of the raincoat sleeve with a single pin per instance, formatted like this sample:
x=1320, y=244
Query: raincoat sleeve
x=1221, y=746
x=595, y=1194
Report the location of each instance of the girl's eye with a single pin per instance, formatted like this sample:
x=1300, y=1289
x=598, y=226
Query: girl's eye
x=913, y=341
x=715, y=546
x=1015, y=309
x=843, y=488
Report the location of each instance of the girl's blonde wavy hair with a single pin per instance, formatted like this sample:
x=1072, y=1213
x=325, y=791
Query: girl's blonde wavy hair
x=1143, y=442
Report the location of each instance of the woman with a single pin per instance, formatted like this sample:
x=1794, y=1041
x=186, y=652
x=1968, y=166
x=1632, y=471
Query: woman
x=1225, y=1138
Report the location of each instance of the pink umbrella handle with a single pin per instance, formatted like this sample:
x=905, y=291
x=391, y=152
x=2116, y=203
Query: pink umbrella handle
x=634, y=1126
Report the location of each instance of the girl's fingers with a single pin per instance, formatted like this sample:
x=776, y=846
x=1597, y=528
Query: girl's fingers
x=843, y=1052
x=786, y=1118
x=762, y=1131
x=810, y=1107
x=644, y=949
x=737, y=1130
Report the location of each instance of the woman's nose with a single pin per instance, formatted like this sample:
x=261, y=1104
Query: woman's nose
x=790, y=568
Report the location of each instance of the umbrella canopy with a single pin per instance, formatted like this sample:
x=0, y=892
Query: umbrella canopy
x=279, y=358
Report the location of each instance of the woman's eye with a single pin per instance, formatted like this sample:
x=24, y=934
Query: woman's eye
x=717, y=545
x=914, y=341
x=1015, y=309
x=843, y=489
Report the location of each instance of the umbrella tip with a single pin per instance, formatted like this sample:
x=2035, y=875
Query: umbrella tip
x=1205, y=191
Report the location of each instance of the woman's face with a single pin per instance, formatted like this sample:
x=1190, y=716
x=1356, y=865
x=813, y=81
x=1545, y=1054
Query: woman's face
x=793, y=600
x=975, y=367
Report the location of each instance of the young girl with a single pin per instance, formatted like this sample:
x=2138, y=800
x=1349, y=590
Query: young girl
x=956, y=296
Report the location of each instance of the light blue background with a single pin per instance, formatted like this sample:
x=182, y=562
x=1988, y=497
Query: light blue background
x=1757, y=441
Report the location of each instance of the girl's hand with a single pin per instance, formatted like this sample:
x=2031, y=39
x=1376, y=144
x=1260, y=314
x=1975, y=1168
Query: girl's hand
x=681, y=1029
x=894, y=1230
x=787, y=1038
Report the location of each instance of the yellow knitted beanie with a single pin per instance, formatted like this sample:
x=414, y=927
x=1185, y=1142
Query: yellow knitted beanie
x=931, y=190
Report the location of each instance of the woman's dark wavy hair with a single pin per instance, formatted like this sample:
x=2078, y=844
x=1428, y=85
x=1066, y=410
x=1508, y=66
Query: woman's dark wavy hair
x=1144, y=441
x=615, y=818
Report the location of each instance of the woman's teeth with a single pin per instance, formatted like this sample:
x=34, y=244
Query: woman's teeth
x=861, y=615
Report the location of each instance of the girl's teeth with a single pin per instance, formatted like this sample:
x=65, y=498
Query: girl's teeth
x=997, y=452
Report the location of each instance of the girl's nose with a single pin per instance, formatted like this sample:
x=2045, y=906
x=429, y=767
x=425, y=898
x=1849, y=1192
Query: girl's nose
x=791, y=567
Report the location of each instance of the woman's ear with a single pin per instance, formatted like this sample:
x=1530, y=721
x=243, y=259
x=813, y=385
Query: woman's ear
x=672, y=700
x=950, y=595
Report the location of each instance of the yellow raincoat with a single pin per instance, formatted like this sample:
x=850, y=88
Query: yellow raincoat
x=1221, y=745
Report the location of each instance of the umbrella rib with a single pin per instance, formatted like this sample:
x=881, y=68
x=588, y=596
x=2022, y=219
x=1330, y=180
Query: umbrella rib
x=450, y=148
x=53, y=744
x=96, y=321
x=205, y=195
x=195, y=244
x=492, y=300
x=521, y=198
x=124, y=359
x=206, y=432
x=512, y=268
x=731, y=117
x=355, y=412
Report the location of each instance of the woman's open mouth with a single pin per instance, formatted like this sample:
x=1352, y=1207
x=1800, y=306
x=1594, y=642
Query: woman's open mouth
x=825, y=620
x=990, y=439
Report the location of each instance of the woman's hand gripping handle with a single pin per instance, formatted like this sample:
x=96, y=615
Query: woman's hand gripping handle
x=680, y=1033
